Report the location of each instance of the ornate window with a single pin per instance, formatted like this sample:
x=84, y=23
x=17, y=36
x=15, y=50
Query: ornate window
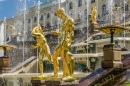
x=41, y=18
x=103, y=9
x=126, y=6
x=116, y=5
x=85, y=2
x=48, y=15
x=54, y=13
x=70, y=5
x=79, y=3
x=48, y=24
x=55, y=23
x=85, y=13
x=29, y=20
x=35, y=19
x=79, y=15
x=92, y=1
x=6, y=26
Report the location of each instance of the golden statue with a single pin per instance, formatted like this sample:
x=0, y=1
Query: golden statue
x=94, y=14
x=66, y=38
x=13, y=30
x=43, y=47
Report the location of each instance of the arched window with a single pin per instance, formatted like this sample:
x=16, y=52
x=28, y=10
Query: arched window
x=48, y=24
x=126, y=6
x=92, y=1
x=103, y=9
x=55, y=23
x=35, y=19
x=85, y=12
x=70, y=5
x=48, y=15
x=54, y=13
x=79, y=3
x=79, y=15
x=41, y=17
x=116, y=5
x=85, y=2
x=29, y=20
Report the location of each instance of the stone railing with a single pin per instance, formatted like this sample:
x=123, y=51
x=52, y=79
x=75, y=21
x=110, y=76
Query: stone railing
x=22, y=63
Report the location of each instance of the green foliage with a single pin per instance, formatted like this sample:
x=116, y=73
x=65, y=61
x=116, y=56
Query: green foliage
x=127, y=83
x=96, y=85
x=70, y=80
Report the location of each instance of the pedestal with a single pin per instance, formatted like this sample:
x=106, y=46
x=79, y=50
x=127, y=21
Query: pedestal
x=38, y=83
x=112, y=56
x=4, y=64
x=94, y=26
x=51, y=81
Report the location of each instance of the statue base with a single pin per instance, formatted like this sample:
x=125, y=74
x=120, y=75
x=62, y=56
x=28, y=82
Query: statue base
x=94, y=26
x=4, y=64
x=46, y=78
x=112, y=64
x=52, y=81
x=112, y=56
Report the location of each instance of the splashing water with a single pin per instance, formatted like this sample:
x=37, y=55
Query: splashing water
x=20, y=23
x=20, y=4
x=111, y=5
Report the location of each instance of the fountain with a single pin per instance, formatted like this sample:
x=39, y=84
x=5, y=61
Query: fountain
x=113, y=71
x=22, y=78
x=62, y=49
x=111, y=66
x=5, y=62
x=28, y=78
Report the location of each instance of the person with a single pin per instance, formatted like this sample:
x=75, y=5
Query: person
x=66, y=38
x=94, y=14
x=43, y=47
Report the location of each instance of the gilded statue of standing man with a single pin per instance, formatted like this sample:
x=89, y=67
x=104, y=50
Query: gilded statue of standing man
x=94, y=14
x=66, y=38
x=94, y=25
x=43, y=47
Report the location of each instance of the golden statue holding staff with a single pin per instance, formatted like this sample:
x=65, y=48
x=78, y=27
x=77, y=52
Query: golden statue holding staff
x=43, y=47
x=94, y=14
x=66, y=38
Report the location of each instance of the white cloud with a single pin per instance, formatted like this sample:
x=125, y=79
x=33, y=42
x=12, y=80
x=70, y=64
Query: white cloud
x=2, y=0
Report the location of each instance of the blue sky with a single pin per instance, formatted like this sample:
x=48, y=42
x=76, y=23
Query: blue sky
x=9, y=8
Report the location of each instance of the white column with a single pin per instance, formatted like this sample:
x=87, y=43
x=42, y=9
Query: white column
x=124, y=23
x=75, y=8
x=66, y=7
x=44, y=19
x=59, y=3
x=51, y=17
x=96, y=1
x=4, y=30
x=38, y=13
x=1, y=38
x=31, y=23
